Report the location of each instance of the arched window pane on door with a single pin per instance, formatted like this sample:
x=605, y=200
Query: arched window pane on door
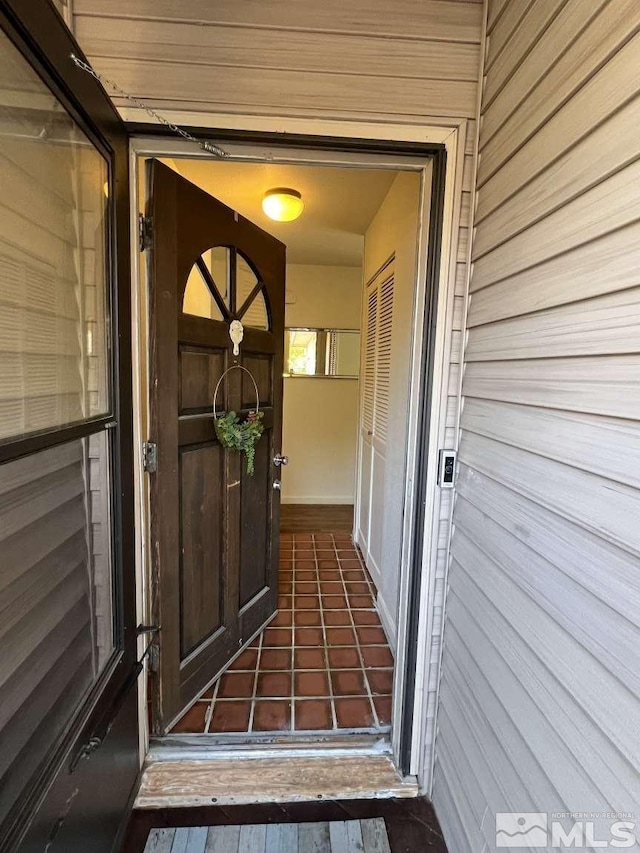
x=222, y=284
x=256, y=315
x=198, y=300
x=207, y=289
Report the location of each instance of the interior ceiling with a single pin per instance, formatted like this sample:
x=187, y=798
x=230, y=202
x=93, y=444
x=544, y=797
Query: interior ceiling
x=339, y=204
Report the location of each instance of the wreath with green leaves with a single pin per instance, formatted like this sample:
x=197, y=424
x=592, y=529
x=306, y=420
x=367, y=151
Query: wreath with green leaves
x=233, y=432
x=236, y=434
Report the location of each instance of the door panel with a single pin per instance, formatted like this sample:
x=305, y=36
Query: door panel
x=199, y=371
x=254, y=532
x=201, y=485
x=214, y=527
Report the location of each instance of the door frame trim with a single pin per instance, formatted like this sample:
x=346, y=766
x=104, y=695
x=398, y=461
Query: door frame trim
x=419, y=630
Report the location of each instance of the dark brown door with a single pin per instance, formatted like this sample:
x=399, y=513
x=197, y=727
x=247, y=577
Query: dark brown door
x=214, y=526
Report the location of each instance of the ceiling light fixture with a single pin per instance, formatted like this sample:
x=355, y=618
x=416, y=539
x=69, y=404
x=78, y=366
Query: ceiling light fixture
x=282, y=204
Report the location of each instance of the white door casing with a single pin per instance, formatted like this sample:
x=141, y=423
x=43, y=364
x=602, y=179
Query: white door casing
x=451, y=134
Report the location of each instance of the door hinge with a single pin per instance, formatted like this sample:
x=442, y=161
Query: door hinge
x=150, y=456
x=145, y=232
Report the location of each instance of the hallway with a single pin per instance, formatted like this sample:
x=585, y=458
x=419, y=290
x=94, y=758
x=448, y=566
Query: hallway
x=322, y=665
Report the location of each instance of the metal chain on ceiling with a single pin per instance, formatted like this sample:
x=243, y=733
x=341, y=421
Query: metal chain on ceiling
x=202, y=143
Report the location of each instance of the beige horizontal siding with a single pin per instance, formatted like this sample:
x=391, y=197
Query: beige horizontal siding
x=503, y=27
x=565, y=21
x=601, y=266
x=596, y=76
x=536, y=19
x=327, y=59
x=539, y=704
x=429, y=19
x=494, y=12
x=610, y=148
x=595, y=385
x=605, y=325
x=253, y=47
x=178, y=85
x=571, y=438
x=574, y=224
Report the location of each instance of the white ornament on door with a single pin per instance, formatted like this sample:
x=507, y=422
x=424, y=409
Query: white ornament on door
x=236, y=333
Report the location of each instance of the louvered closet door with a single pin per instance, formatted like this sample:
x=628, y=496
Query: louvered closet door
x=366, y=417
x=374, y=431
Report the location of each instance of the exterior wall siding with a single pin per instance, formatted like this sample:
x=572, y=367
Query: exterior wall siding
x=539, y=700
x=371, y=61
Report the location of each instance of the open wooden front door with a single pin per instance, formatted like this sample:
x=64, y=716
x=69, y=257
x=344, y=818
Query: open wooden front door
x=214, y=527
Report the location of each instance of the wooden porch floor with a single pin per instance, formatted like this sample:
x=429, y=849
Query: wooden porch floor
x=411, y=826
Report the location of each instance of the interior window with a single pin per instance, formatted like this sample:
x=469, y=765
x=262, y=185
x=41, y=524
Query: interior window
x=302, y=351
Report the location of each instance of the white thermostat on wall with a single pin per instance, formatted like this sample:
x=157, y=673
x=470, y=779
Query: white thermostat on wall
x=447, y=469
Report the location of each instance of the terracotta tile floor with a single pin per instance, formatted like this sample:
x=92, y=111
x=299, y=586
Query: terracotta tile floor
x=322, y=664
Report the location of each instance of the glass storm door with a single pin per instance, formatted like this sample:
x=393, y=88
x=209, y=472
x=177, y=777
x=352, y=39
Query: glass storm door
x=68, y=710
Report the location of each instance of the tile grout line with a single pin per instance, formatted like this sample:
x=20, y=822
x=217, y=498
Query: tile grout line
x=282, y=698
x=365, y=571
x=327, y=670
x=292, y=689
x=255, y=685
x=372, y=589
x=357, y=640
x=209, y=712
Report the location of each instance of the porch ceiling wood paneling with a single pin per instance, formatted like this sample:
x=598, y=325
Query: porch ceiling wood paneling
x=540, y=697
x=402, y=61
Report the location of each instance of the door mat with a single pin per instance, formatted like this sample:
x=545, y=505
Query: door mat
x=350, y=836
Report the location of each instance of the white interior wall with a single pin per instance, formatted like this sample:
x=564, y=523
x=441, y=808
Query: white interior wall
x=320, y=418
x=539, y=706
x=394, y=231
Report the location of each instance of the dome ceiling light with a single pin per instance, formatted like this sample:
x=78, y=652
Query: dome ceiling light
x=282, y=204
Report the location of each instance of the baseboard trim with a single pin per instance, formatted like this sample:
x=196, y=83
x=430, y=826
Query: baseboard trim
x=340, y=500
x=374, y=571
x=388, y=623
